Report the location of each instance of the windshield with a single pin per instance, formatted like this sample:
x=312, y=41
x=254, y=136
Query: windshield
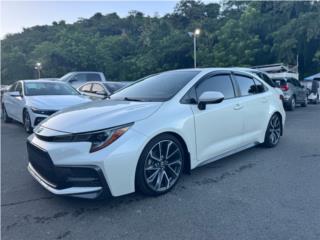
x=48, y=88
x=65, y=77
x=157, y=88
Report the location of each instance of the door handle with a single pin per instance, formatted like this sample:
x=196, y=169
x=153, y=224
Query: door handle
x=237, y=106
x=264, y=100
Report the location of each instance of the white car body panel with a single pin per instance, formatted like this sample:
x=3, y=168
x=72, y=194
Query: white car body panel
x=210, y=134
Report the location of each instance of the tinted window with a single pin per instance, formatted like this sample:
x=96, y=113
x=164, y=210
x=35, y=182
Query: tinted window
x=220, y=83
x=160, y=87
x=280, y=81
x=265, y=78
x=97, y=88
x=48, y=88
x=92, y=77
x=259, y=88
x=19, y=88
x=13, y=87
x=246, y=85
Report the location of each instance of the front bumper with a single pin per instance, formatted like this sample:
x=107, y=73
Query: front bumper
x=77, y=181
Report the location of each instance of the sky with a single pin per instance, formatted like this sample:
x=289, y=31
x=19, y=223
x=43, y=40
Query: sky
x=16, y=15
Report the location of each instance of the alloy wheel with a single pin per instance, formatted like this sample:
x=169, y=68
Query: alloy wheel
x=275, y=129
x=163, y=165
x=27, y=122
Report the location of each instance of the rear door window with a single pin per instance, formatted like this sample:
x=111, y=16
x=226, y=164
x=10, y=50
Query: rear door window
x=246, y=85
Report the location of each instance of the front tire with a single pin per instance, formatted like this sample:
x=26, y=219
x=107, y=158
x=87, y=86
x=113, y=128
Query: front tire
x=273, y=133
x=27, y=122
x=160, y=165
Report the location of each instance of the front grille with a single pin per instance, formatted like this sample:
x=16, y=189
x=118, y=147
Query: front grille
x=63, y=177
x=42, y=163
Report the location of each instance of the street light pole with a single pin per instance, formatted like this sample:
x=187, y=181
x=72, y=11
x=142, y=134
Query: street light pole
x=194, y=35
x=38, y=68
x=195, y=50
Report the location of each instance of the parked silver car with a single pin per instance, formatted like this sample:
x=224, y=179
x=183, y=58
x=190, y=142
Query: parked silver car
x=293, y=92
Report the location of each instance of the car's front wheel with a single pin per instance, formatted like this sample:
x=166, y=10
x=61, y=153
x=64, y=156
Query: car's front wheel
x=160, y=165
x=27, y=122
x=273, y=132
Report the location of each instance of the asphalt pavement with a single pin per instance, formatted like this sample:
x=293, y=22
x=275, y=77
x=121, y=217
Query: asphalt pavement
x=256, y=194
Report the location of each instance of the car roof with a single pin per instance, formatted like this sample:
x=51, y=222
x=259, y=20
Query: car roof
x=41, y=81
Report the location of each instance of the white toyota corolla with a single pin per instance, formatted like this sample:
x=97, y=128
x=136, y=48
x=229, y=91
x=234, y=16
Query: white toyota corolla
x=147, y=134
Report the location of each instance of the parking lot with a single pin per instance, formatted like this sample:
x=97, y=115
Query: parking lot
x=256, y=194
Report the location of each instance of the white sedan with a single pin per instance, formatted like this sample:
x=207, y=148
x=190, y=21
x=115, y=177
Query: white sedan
x=31, y=101
x=147, y=134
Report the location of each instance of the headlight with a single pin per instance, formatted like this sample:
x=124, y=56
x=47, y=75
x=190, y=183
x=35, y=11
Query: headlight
x=42, y=111
x=99, y=139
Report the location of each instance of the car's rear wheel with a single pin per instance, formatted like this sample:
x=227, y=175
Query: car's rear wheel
x=27, y=122
x=292, y=104
x=273, y=133
x=5, y=116
x=160, y=165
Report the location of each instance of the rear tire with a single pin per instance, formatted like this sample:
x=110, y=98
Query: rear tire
x=292, y=104
x=273, y=133
x=160, y=165
x=5, y=116
x=27, y=122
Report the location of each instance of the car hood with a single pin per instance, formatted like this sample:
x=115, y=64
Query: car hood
x=99, y=115
x=55, y=102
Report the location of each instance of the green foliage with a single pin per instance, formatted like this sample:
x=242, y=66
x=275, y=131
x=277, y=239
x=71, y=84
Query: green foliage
x=233, y=33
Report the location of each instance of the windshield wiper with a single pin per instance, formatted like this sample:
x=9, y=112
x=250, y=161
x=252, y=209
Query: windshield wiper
x=132, y=99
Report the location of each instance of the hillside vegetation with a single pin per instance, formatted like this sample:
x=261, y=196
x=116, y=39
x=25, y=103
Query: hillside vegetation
x=233, y=34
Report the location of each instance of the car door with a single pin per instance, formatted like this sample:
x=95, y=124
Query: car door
x=218, y=128
x=18, y=103
x=254, y=98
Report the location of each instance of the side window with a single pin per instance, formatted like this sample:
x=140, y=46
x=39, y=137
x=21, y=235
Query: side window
x=93, y=77
x=260, y=88
x=219, y=83
x=13, y=87
x=86, y=88
x=80, y=78
x=291, y=80
x=246, y=85
x=97, y=88
x=267, y=80
x=19, y=88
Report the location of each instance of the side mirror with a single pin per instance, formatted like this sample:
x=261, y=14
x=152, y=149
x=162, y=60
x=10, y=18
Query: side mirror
x=209, y=98
x=15, y=94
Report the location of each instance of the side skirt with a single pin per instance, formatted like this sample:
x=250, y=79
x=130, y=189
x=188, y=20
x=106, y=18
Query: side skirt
x=228, y=153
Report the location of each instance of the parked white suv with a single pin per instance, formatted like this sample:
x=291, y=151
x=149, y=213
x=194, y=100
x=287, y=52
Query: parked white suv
x=147, y=134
